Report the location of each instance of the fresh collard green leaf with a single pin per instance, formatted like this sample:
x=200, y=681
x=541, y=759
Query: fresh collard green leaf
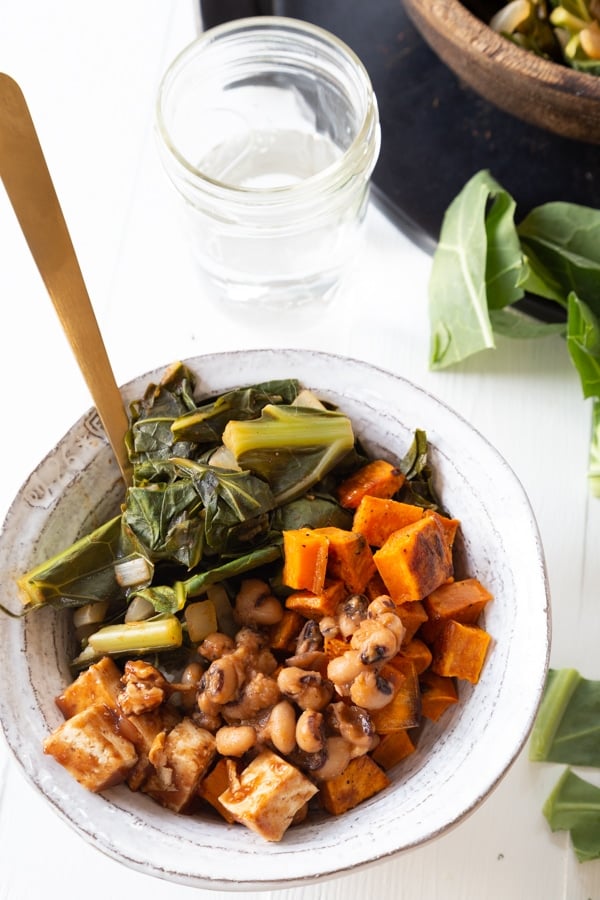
x=292, y=448
x=418, y=488
x=574, y=806
x=504, y=261
x=594, y=462
x=205, y=425
x=458, y=302
x=168, y=520
x=150, y=434
x=311, y=511
x=536, y=280
x=87, y=571
x=565, y=239
x=567, y=727
x=514, y=324
x=583, y=343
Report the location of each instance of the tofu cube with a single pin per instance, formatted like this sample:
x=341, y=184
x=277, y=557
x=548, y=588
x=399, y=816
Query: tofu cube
x=91, y=750
x=97, y=686
x=269, y=794
x=186, y=756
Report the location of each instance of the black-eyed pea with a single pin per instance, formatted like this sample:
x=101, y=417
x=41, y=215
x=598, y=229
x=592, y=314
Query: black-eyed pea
x=343, y=669
x=310, y=733
x=337, y=756
x=307, y=688
x=381, y=604
x=216, y=645
x=375, y=642
x=371, y=690
x=329, y=627
x=256, y=605
x=351, y=613
x=354, y=724
x=222, y=680
x=280, y=728
x=235, y=740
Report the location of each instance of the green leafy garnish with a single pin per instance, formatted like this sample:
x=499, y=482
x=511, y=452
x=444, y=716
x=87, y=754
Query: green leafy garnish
x=567, y=730
x=485, y=263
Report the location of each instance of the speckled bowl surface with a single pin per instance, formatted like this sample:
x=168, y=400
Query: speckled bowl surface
x=459, y=759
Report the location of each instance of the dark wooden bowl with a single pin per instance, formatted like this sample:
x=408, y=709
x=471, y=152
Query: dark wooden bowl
x=543, y=93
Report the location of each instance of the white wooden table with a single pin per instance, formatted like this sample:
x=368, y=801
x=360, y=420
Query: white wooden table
x=90, y=73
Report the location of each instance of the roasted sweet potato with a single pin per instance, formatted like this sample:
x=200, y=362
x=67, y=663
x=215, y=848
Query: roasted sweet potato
x=404, y=710
x=305, y=559
x=415, y=560
x=418, y=653
x=462, y=601
x=459, y=651
x=412, y=615
x=392, y=749
x=448, y=526
x=376, y=518
x=362, y=778
x=349, y=558
x=213, y=785
x=315, y=606
x=378, y=478
x=438, y=692
x=283, y=634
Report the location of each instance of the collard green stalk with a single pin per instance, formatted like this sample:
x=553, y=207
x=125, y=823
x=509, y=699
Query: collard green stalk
x=290, y=447
x=132, y=638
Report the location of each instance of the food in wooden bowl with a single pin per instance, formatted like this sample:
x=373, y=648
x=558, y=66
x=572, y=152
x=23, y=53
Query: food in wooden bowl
x=546, y=93
x=423, y=761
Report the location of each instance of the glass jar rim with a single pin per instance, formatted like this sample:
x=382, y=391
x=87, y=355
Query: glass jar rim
x=335, y=171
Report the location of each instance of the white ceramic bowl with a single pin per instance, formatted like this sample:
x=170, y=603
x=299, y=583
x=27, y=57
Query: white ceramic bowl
x=459, y=760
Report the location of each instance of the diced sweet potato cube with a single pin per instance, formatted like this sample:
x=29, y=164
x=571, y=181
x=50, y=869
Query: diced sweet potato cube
x=392, y=749
x=213, y=785
x=415, y=560
x=269, y=794
x=438, y=692
x=349, y=558
x=462, y=601
x=90, y=749
x=316, y=605
x=418, y=653
x=375, y=587
x=449, y=526
x=459, y=651
x=97, y=686
x=377, y=478
x=361, y=779
x=305, y=559
x=376, y=518
x=185, y=755
x=282, y=635
x=404, y=710
x=412, y=615
x=335, y=646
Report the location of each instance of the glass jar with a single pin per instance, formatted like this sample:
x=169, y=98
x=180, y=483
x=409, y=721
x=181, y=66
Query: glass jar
x=268, y=127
